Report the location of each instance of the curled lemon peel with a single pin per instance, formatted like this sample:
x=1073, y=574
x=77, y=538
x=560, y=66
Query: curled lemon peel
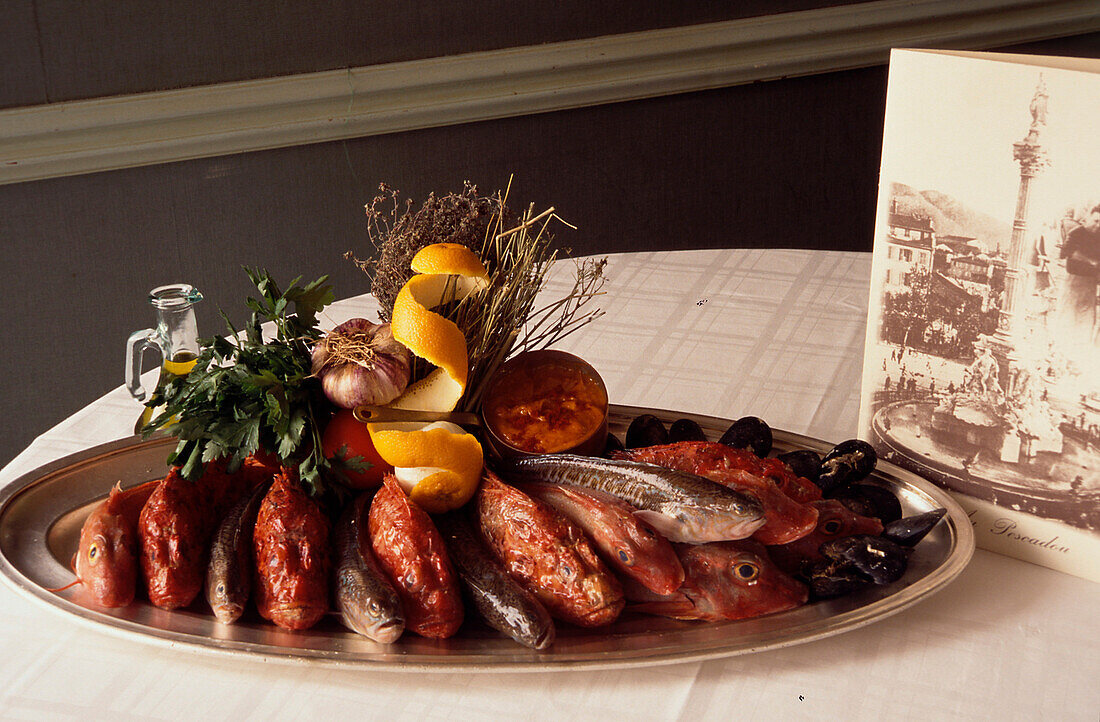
x=446, y=271
x=439, y=464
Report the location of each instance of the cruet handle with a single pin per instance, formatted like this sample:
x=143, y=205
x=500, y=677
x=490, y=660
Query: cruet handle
x=136, y=346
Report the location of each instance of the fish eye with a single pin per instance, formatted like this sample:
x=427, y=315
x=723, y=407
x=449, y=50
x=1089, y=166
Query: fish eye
x=832, y=526
x=374, y=609
x=567, y=571
x=625, y=558
x=93, y=552
x=746, y=571
x=220, y=589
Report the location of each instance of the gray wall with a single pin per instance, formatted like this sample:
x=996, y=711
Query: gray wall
x=790, y=163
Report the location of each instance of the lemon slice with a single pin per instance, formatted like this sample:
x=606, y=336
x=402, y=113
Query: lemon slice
x=438, y=464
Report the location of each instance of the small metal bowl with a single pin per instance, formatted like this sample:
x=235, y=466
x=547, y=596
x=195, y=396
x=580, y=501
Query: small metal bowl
x=592, y=443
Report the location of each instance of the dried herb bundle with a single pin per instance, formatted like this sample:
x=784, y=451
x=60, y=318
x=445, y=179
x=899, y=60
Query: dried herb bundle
x=517, y=251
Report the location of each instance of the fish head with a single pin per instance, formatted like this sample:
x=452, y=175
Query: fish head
x=225, y=609
x=834, y=521
x=649, y=557
x=384, y=621
x=106, y=559
x=737, y=580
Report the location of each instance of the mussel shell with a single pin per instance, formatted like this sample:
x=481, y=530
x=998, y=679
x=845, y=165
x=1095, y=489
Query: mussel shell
x=879, y=559
x=749, y=432
x=828, y=579
x=869, y=500
x=845, y=463
x=804, y=462
x=685, y=430
x=646, y=430
x=912, y=529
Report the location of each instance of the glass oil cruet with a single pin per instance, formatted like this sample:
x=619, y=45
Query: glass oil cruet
x=176, y=339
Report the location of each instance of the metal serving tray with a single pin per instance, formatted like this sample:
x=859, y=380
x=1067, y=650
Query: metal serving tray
x=42, y=511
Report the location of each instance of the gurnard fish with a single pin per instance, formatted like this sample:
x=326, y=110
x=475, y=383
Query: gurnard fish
x=412, y=554
x=229, y=574
x=834, y=521
x=680, y=506
x=291, y=552
x=548, y=554
x=367, y=602
x=174, y=527
x=628, y=545
x=739, y=469
x=106, y=560
x=500, y=600
x=724, y=580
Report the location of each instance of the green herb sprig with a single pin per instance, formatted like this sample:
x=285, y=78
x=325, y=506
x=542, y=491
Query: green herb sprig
x=247, y=393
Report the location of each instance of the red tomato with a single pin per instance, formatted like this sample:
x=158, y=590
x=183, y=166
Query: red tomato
x=345, y=430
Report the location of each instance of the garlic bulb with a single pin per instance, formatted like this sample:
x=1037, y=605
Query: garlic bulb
x=360, y=362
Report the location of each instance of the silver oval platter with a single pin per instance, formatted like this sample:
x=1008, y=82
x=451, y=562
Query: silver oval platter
x=41, y=514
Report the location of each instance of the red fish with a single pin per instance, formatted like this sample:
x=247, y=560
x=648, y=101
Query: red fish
x=833, y=522
x=291, y=547
x=411, y=552
x=785, y=519
x=699, y=456
x=548, y=554
x=628, y=545
x=174, y=528
x=724, y=580
x=106, y=560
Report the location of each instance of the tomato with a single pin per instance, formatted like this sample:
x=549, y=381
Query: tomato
x=345, y=430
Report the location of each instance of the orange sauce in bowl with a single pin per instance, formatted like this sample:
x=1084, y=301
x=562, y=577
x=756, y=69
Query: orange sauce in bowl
x=545, y=406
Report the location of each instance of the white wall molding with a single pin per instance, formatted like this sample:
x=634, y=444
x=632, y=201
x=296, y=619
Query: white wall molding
x=118, y=132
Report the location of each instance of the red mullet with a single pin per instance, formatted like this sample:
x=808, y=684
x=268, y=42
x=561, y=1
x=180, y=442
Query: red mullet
x=547, y=554
x=724, y=580
x=834, y=521
x=291, y=547
x=174, y=527
x=411, y=551
x=106, y=559
x=628, y=545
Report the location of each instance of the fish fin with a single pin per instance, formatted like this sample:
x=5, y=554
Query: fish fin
x=114, y=498
x=676, y=609
x=661, y=523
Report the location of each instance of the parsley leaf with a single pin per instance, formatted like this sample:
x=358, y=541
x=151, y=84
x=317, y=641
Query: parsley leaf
x=247, y=394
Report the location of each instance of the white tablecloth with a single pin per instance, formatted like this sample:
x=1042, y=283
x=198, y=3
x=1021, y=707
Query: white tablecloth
x=771, y=333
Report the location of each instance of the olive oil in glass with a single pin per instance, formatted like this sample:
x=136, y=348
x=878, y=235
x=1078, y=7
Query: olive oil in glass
x=175, y=338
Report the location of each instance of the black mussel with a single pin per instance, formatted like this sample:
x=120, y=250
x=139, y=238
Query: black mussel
x=804, y=462
x=880, y=559
x=646, y=430
x=912, y=529
x=613, y=445
x=848, y=461
x=827, y=579
x=868, y=500
x=685, y=430
x=749, y=432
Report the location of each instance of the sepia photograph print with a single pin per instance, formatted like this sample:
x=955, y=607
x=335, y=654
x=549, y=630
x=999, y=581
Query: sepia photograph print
x=982, y=363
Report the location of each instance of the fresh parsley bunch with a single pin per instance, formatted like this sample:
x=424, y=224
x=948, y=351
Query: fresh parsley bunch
x=247, y=394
